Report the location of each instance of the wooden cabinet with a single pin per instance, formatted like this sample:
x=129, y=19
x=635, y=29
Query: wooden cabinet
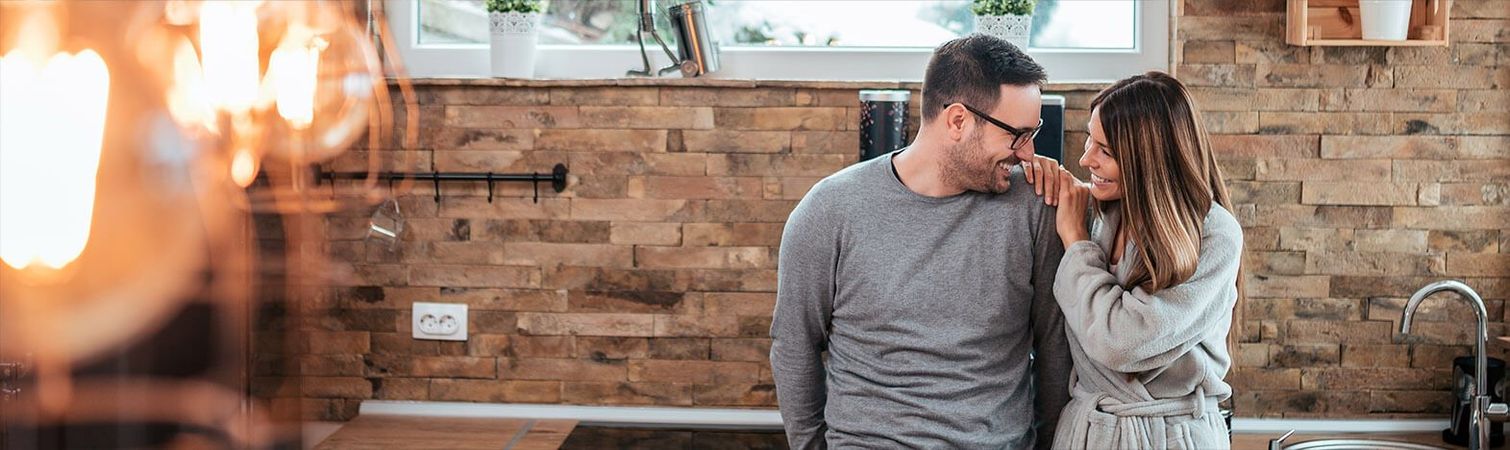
x=1338, y=23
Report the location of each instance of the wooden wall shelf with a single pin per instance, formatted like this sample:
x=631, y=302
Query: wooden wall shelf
x=1338, y=23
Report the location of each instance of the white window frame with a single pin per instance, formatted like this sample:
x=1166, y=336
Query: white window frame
x=1150, y=52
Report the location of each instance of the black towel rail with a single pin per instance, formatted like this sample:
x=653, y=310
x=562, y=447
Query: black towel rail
x=557, y=178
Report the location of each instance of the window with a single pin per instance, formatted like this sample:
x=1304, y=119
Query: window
x=1077, y=40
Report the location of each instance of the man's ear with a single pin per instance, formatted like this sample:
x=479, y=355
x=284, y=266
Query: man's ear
x=954, y=117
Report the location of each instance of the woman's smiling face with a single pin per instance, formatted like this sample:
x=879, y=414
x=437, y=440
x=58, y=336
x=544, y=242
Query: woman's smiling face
x=1106, y=177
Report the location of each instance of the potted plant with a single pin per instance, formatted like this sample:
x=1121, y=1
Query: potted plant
x=1011, y=20
x=513, y=27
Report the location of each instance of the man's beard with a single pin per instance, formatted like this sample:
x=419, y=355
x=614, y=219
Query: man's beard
x=963, y=167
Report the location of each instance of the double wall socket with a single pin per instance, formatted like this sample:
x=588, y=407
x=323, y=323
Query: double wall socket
x=440, y=321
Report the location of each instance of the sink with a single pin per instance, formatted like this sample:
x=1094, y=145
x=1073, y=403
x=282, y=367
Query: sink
x=1358, y=444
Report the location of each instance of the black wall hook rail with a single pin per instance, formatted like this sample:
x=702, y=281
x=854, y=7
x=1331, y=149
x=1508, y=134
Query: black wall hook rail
x=557, y=178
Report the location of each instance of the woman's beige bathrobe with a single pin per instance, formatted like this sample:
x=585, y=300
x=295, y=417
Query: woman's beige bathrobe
x=1148, y=366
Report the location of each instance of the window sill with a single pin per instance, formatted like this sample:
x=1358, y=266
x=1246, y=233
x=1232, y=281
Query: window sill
x=706, y=82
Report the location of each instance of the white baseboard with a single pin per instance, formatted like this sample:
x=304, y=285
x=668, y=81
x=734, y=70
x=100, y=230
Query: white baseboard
x=627, y=416
x=1305, y=426
x=726, y=418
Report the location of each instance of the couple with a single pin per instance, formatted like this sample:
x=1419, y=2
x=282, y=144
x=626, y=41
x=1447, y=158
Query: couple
x=928, y=299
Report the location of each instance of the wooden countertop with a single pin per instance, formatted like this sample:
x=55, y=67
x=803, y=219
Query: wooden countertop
x=377, y=432
x=395, y=432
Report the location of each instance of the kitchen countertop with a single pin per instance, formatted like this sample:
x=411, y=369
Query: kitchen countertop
x=380, y=432
x=1260, y=441
x=383, y=432
x=707, y=83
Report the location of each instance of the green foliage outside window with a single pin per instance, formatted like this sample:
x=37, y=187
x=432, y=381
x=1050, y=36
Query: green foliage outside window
x=519, y=6
x=1003, y=7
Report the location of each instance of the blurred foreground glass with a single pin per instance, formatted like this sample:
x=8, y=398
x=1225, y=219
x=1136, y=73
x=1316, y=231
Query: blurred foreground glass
x=136, y=138
x=108, y=212
x=285, y=86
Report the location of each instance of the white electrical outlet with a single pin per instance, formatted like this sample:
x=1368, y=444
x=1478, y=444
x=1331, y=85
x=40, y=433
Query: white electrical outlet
x=440, y=321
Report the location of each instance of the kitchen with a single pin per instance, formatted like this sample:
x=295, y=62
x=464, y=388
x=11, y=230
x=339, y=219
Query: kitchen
x=577, y=257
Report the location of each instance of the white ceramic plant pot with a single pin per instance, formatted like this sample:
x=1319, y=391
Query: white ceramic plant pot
x=513, y=37
x=1014, y=29
x=1386, y=20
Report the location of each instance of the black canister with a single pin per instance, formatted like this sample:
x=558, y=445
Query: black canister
x=883, y=122
x=1050, y=139
x=1462, y=405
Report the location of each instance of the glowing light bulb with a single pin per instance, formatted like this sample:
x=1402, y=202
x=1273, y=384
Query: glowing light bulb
x=228, y=47
x=244, y=167
x=294, y=70
x=50, y=145
x=325, y=77
x=188, y=99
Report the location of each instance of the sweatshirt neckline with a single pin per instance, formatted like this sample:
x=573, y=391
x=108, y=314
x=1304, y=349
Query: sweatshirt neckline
x=894, y=182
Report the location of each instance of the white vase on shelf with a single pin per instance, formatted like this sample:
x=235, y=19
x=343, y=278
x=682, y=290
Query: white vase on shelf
x=512, y=39
x=1385, y=20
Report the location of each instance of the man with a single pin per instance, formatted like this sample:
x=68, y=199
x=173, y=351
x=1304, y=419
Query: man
x=926, y=277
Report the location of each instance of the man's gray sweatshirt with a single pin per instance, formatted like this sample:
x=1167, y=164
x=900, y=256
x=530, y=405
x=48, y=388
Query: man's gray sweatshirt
x=936, y=313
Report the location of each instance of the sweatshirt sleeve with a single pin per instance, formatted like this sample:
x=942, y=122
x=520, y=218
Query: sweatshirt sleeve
x=800, y=325
x=1051, y=350
x=1133, y=330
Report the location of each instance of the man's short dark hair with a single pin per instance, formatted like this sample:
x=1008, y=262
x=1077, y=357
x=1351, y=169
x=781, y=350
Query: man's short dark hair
x=971, y=70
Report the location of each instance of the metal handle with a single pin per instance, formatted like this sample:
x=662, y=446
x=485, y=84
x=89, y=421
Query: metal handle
x=1498, y=412
x=1479, y=424
x=1278, y=444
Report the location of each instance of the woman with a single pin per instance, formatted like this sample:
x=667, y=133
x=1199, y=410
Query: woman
x=1149, y=291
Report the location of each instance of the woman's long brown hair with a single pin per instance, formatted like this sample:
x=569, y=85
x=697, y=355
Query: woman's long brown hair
x=1170, y=177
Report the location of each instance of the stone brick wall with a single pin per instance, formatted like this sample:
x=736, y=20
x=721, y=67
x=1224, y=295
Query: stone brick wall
x=649, y=281
x=1361, y=174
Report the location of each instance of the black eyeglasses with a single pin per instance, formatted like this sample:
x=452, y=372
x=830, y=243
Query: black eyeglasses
x=1019, y=137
